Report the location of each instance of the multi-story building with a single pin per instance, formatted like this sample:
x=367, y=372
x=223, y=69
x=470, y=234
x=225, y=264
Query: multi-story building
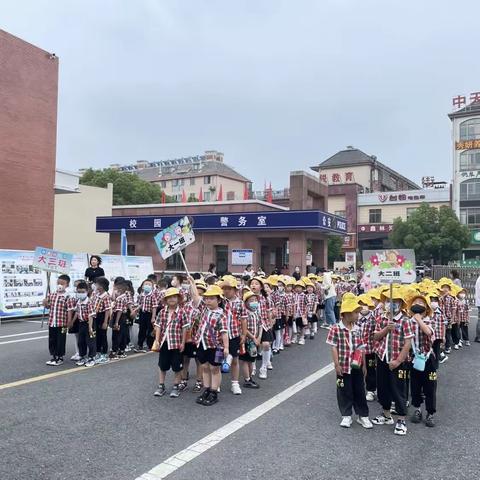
x=466, y=169
x=351, y=172
x=202, y=176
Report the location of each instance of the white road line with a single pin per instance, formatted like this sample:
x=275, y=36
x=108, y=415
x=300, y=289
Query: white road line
x=21, y=334
x=181, y=458
x=23, y=340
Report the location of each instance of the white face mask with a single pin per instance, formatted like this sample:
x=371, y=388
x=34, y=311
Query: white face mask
x=60, y=288
x=364, y=311
x=81, y=296
x=461, y=296
x=434, y=305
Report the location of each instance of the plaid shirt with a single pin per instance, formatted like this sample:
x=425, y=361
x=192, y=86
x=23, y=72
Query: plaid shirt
x=211, y=325
x=59, y=305
x=390, y=346
x=290, y=303
x=341, y=288
x=234, y=310
x=253, y=322
x=447, y=304
x=281, y=305
x=265, y=306
x=423, y=343
x=346, y=341
x=147, y=302
x=367, y=328
x=102, y=302
x=192, y=316
x=84, y=310
x=171, y=325
x=312, y=301
x=439, y=323
x=300, y=306
x=461, y=312
x=158, y=294
x=320, y=293
x=121, y=303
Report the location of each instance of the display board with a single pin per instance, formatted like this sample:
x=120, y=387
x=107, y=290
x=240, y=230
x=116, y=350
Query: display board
x=242, y=257
x=22, y=285
x=391, y=265
x=77, y=271
x=137, y=269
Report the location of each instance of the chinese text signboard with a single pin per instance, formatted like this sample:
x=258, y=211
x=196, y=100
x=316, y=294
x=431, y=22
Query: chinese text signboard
x=336, y=178
x=467, y=144
x=242, y=257
x=174, y=238
x=385, y=266
x=460, y=101
x=375, y=228
x=52, y=260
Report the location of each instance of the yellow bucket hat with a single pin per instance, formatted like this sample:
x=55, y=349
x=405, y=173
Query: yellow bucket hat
x=248, y=294
x=171, y=292
x=228, y=281
x=300, y=283
x=201, y=284
x=350, y=303
x=213, y=291
x=366, y=300
x=425, y=298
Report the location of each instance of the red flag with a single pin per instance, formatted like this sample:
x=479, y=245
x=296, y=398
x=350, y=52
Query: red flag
x=184, y=197
x=269, y=196
x=200, y=197
x=164, y=199
x=220, y=194
x=245, y=191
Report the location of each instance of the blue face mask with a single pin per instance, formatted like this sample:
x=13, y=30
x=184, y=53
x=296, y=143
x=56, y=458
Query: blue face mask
x=81, y=296
x=147, y=288
x=254, y=305
x=396, y=307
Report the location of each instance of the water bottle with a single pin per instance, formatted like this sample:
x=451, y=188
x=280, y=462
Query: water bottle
x=225, y=367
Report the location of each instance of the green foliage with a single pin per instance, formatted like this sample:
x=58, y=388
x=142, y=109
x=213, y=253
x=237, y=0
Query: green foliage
x=192, y=198
x=334, y=249
x=128, y=188
x=433, y=233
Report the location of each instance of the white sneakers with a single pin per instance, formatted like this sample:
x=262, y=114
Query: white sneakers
x=364, y=422
x=370, y=396
x=236, y=390
x=382, y=420
x=301, y=341
x=346, y=422
x=270, y=366
x=262, y=373
x=76, y=357
x=400, y=428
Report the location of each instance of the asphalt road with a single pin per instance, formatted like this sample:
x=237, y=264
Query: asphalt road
x=104, y=423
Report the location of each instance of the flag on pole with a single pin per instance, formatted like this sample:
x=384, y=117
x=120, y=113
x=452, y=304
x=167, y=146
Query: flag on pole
x=164, y=199
x=245, y=191
x=123, y=242
x=220, y=194
x=269, y=196
x=200, y=197
x=184, y=197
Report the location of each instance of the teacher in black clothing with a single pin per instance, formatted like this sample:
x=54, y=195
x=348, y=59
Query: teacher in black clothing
x=94, y=270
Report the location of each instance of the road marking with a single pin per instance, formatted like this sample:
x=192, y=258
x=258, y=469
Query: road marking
x=23, y=340
x=181, y=458
x=47, y=376
x=20, y=334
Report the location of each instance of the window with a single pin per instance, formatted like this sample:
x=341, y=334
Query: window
x=163, y=184
x=470, y=190
x=206, y=196
x=375, y=215
x=177, y=182
x=175, y=262
x=341, y=213
x=230, y=195
x=470, y=129
x=470, y=216
x=192, y=181
x=207, y=180
x=411, y=210
x=131, y=249
x=470, y=160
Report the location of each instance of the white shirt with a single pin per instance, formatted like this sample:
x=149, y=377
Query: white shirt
x=477, y=292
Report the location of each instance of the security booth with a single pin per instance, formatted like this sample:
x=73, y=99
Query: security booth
x=234, y=234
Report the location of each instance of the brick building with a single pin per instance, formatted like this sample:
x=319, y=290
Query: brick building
x=28, y=128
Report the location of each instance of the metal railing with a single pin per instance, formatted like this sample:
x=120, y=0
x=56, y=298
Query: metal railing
x=468, y=276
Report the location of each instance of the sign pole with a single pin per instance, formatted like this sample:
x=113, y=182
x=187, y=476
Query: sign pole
x=391, y=301
x=183, y=261
x=48, y=292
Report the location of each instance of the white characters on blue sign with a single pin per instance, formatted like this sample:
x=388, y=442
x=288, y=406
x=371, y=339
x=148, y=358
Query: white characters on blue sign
x=133, y=223
x=224, y=221
x=157, y=223
x=242, y=221
x=262, y=221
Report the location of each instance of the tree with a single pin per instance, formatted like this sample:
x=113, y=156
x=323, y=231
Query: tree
x=334, y=248
x=435, y=234
x=128, y=188
x=192, y=198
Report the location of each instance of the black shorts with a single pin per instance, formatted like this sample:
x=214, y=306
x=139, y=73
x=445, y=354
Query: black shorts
x=267, y=336
x=170, y=359
x=280, y=323
x=74, y=328
x=190, y=350
x=234, y=346
x=313, y=318
x=290, y=321
x=247, y=358
x=299, y=322
x=207, y=356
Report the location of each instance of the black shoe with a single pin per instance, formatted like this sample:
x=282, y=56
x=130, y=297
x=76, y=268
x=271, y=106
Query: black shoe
x=312, y=336
x=275, y=351
x=416, y=416
x=182, y=385
x=429, y=421
x=477, y=340
x=203, y=396
x=250, y=383
x=211, y=399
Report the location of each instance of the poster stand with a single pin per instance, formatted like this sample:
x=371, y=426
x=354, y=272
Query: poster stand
x=46, y=295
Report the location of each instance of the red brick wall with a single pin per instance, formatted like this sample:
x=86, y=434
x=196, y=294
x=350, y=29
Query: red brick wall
x=28, y=127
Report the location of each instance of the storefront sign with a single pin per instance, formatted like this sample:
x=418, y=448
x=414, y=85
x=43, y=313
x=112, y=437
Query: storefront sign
x=432, y=195
x=242, y=257
x=349, y=241
x=469, y=174
x=467, y=144
x=174, y=238
x=351, y=258
x=476, y=236
x=337, y=178
x=288, y=220
x=52, y=260
x=385, y=266
x=460, y=100
x=375, y=228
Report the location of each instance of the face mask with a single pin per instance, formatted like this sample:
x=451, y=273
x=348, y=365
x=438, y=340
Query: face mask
x=281, y=289
x=60, y=288
x=461, y=296
x=434, y=305
x=254, y=305
x=396, y=306
x=147, y=288
x=418, y=309
x=364, y=311
x=81, y=296
x=94, y=287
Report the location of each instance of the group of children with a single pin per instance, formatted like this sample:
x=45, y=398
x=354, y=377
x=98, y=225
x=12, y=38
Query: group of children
x=384, y=342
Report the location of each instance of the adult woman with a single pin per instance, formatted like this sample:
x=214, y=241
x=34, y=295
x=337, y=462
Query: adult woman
x=249, y=271
x=296, y=273
x=456, y=277
x=94, y=270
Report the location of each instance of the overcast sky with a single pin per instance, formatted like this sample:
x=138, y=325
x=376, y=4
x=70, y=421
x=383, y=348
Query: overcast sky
x=275, y=85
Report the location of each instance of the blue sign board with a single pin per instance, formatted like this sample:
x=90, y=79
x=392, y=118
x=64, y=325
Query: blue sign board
x=285, y=220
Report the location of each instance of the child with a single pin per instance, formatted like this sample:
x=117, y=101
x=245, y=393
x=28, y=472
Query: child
x=147, y=312
x=280, y=305
x=423, y=377
x=312, y=305
x=234, y=310
x=290, y=306
x=393, y=339
x=118, y=322
x=346, y=339
x=73, y=328
x=461, y=319
x=300, y=311
x=211, y=334
x=103, y=312
x=252, y=336
x=84, y=313
x=170, y=334
x=438, y=325
x=366, y=322
x=131, y=316
x=59, y=316
x=447, y=304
